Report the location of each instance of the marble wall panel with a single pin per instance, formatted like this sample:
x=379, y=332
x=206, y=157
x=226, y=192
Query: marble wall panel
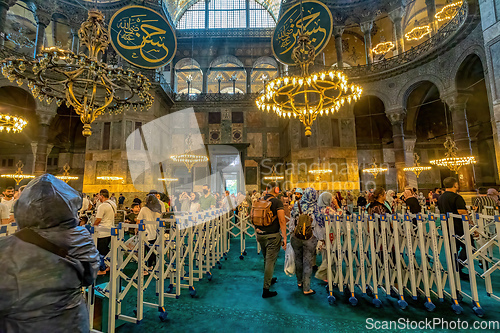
x=255, y=148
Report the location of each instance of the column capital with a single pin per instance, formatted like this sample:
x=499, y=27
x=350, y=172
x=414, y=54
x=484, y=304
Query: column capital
x=456, y=98
x=45, y=117
x=43, y=10
x=366, y=27
x=410, y=143
x=396, y=15
x=396, y=116
x=338, y=30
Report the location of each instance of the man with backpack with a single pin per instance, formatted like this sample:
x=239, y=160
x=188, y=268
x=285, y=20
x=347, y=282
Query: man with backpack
x=268, y=217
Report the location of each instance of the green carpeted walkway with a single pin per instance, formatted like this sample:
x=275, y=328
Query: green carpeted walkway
x=232, y=302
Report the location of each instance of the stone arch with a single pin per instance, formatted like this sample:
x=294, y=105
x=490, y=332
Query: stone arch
x=472, y=50
x=265, y=60
x=227, y=58
x=414, y=83
x=186, y=62
x=380, y=95
x=415, y=95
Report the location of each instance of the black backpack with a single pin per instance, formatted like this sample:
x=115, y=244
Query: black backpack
x=303, y=226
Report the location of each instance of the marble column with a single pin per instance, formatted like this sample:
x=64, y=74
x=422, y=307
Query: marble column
x=396, y=118
x=205, y=80
x=410, y=160
x=396, y=17
x=41, y=147
x=431, y=12
x=75, y=42
x=249, y=79
x=457, y=104
x=4, y=8
x=337, y=32
x=42, y=22
x=366, y=28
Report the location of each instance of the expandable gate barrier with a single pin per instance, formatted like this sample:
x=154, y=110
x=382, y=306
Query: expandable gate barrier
x=241, y=226
x=411, y=255
x=186, y=249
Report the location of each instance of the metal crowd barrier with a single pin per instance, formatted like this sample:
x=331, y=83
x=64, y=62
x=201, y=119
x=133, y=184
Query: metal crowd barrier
x=412, y=255
x=8, y=229
x=241, y=226
x=186, y=249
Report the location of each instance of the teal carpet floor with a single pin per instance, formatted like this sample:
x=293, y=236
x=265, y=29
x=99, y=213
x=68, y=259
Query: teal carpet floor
x=232, y=302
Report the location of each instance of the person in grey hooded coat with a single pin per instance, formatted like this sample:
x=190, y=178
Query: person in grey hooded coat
x=41, y=291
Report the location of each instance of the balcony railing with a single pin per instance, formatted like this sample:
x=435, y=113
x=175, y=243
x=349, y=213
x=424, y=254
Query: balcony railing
x=435, y=43
x=198, y=98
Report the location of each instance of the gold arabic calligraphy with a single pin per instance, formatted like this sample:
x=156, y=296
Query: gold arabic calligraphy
x=287, y=35
x=140, y=34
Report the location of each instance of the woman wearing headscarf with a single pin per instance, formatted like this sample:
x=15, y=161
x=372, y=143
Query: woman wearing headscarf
x=492, y=193
x=324, y=208
x=149, y=213
x=411, y=202
x=41, y=290
x=389, y=198
x=305, y=249
x=421, y=199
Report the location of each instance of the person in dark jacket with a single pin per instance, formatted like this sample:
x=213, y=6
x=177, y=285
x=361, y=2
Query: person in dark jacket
x=41, y=290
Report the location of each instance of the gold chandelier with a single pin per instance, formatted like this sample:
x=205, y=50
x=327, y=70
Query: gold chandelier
x=86, y=83
x=416, y=168
x=168, y=180
x=66, y=176
x=451, y=161
x=18, y=176
x=448, y=11
x=418, y=33
x=273, y=177
x=375, y=170
x=110, y=178
x=383, y=48
x=309, y=95
x=189, y=158
x=12, y=124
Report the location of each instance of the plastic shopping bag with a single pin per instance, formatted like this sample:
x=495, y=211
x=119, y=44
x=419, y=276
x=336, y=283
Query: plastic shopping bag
x=289, y=260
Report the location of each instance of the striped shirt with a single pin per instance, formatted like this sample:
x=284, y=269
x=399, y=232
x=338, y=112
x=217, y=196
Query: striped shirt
x=483, y=201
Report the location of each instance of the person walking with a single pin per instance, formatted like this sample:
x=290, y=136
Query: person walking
x=270, y=238
x=121, y=201
x=452, y=202
x=324, y=208
x=303, y=240
x=105, y=217
x=149, y=213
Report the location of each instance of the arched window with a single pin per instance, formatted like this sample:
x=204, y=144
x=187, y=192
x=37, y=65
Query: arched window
x=227, y=75
x=189, y=76
x=264, y=70
x=226, y=14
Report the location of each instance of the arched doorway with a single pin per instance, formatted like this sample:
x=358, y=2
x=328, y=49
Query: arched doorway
x=373, y=140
